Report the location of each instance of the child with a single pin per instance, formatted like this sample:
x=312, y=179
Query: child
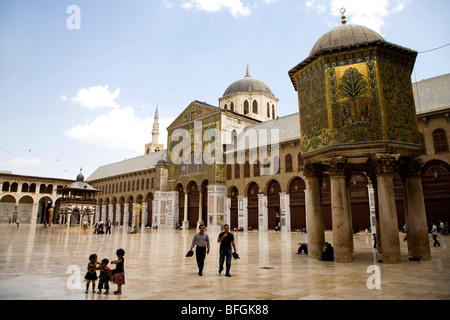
x=91, y=274
x=105, y=276
x=118, y=274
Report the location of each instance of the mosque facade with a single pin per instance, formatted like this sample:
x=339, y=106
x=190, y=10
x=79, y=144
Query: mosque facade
x=365, y=140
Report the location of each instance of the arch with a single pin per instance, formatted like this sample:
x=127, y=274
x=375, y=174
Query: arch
x=204, y=204
x=268, y=110
x=252, y=191
x=436, y=190
x=25, y=209
x=130, y=202
x=359, y=202
x=232, y=106
x=180, y=189
x=149, y=200
x=7, y=207
x=273, y=203
x=45, y=203
x=234, y=213
x=297, y=203
x=122, y=210
x=193, y=204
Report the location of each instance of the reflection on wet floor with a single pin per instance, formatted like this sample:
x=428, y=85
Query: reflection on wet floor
x=51, y=264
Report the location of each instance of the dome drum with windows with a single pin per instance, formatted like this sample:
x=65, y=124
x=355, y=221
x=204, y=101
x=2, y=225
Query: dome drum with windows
x=250, y=97
x=355, y=91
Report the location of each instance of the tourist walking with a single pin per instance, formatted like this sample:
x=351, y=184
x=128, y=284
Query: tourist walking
x=226, y=240
x=108, y=226
x=118, y=274
x=201, y=241
x=434, y=233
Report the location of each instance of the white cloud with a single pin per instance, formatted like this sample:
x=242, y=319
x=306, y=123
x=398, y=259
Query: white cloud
x=95, y=97
x=21, y=162
x=368, y=13
x=235, y=7
x=119, y=128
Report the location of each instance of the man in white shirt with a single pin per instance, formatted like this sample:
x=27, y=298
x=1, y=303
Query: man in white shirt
x=434, y=233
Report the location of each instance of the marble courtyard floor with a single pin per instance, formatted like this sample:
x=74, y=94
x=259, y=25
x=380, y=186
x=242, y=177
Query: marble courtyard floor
x=43, y=264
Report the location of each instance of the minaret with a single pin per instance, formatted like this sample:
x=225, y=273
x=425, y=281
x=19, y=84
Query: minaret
x=155, y=131
x=154, y=145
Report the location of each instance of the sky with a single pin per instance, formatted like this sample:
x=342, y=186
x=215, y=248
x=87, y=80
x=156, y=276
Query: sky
x=80, y=80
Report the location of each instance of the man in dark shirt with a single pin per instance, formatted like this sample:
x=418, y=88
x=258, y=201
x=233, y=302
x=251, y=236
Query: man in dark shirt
x=226, y=240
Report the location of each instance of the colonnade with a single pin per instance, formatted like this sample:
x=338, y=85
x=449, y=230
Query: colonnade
x=388, y=243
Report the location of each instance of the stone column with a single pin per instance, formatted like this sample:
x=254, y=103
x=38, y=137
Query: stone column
x=200, y=208
x=314, y=220
x=185, y=220
x=415, y=215
x=384, y=169
x=340, y=211
x=263, y=223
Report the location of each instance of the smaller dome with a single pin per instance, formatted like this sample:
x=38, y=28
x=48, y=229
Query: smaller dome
x=80, y=177
x=161, y=161
x=248, y=84
x=344, y=36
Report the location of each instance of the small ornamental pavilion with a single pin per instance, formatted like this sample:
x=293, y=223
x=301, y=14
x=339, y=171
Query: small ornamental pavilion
x=77, y=203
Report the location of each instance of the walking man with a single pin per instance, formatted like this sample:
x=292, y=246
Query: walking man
x=226, y=240
x=201, y=240
x=434, y=233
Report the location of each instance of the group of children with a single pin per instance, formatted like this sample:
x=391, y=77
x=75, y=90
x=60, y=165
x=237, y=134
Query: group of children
x=106, y=274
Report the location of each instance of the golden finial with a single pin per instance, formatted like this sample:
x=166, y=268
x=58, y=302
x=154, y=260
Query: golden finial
x=248, y=72
x=344, y=20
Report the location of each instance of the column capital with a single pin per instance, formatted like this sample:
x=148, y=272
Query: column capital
x=337, y=165
x=311, y=170
x=384, y=163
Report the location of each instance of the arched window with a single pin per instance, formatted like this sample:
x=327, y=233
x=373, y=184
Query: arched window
x=300, y=161
x=25, y=187
x=246, y=111
x=256, y=169
x=247, y=170
x=268, y=110
x=273, y=111
x=288, y=163
x=237, y=171
x=5, y=186
x=255, y=107
x=232, y=106
x=440, y=141
x=229, y=173
x=225, y=107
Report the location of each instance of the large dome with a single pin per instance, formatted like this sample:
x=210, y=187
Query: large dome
x=248, y=84
x=345, y=36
